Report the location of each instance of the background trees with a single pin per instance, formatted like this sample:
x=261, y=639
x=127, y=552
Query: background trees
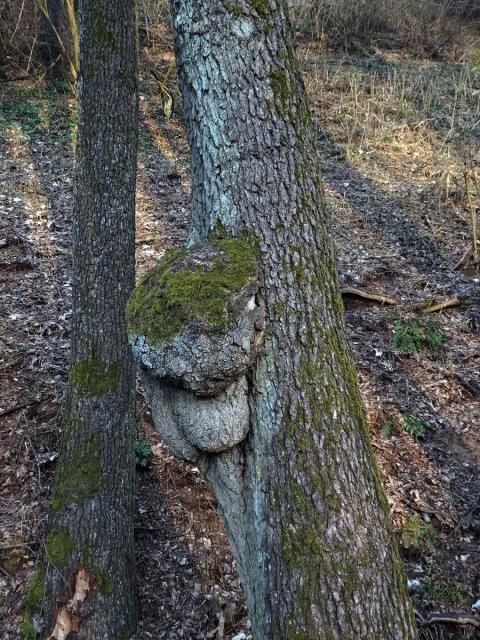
x=86, y=580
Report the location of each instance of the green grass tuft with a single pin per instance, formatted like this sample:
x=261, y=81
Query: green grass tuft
x=415, y=427
x=417, y=534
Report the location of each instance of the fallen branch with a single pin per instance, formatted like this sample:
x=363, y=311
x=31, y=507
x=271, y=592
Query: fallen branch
x=4, y=547
x=375, y=297
x=463, y=259
x=17, y=407
x=428, y=306
x=450, y=618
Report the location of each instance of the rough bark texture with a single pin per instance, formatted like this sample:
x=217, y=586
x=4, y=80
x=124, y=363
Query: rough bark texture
x=85, y=583
x=301, y=497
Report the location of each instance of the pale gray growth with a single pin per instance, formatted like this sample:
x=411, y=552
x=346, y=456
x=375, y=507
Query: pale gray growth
x=191, y=425
x=196, y=381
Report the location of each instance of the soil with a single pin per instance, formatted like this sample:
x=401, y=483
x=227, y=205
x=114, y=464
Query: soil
x=423, y=407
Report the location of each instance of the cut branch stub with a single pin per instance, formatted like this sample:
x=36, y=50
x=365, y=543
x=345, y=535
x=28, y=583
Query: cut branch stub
x=195, y=325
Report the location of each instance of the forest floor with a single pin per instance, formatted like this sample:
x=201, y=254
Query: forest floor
x=397, y=136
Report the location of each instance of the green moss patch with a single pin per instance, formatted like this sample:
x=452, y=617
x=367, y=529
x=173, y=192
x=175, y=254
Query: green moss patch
x=36, y=589
x=81, y=478
x=95, y=377
x=280, y=87
x=260, y=6
x=180, y=289
x=27, y=630
x=59, y=547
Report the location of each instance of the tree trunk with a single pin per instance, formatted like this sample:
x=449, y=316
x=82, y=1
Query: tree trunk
x=301, y=496
x=51, y=11
x=59, y=35
x=85, y=582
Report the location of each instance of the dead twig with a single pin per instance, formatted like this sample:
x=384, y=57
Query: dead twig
x=375, y=297
x=17, y=407
x=4, y=547
x=449, y=618
x=463, y=259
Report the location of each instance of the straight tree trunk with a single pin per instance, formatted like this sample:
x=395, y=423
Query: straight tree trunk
x=85, y=583
x=301, y=496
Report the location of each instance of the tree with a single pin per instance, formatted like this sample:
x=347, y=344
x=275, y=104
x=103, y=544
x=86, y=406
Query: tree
x=59, y=34
x=242, y=346
x=85, y=581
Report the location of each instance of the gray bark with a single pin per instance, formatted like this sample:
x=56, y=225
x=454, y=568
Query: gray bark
x=301, y=497
x=85, y=582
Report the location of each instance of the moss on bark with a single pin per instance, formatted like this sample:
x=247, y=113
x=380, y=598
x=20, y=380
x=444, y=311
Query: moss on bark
x=36, y=589
x=27, y=630
x=81, y=477
x=261, y=7
x=178, y=290
x=95, y=377
x=59, y=547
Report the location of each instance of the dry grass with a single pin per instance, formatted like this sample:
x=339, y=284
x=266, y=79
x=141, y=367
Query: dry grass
x=18, y=35
x=409, y=22
x=403, y=120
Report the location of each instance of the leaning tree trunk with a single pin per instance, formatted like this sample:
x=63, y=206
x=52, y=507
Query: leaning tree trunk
x=309, y=521
x=59, y=38
x=85, y=582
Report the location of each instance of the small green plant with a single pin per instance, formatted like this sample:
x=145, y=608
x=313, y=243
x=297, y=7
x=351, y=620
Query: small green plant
x=387, y=428
x=417, y=534
x=449, y=591
x=143, y=454
x=415, y=427
x=416, y=335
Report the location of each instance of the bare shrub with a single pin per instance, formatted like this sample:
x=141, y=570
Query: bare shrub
x=409, y=20
x=19, y=29
x=154, y=21
x=32, y=41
